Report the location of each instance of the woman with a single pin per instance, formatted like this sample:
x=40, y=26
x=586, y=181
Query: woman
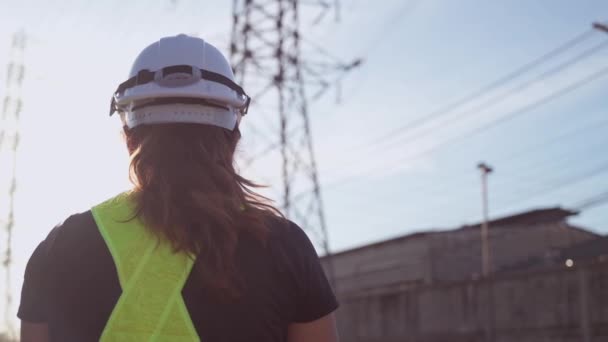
x=191, y=252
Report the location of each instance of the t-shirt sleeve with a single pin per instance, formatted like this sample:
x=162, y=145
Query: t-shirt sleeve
x=313, y=295
x=34, y=293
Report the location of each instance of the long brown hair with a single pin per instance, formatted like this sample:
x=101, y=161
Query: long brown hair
x=188, y=192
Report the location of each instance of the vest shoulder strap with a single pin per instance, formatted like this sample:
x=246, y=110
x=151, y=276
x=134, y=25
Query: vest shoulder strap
x=151, y=277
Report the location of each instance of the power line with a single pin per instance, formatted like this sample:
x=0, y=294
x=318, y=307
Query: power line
x=322, y=51
x=562, y=159
x=536, y=146
x=516, y=113
x=529, y=148
x=385, y=32
x=593, y=201
x=541, y=77
x=555, y=52
x=405, y=10
x=514, y=90
x=484, y=89
x=511, y=115
x=490, y=102
x=443, y=200
x=561, y=137
x=562, y=183
x=563, y=163
x=566, y=182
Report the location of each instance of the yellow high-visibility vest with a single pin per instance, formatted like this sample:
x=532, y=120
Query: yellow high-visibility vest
x=151, y=275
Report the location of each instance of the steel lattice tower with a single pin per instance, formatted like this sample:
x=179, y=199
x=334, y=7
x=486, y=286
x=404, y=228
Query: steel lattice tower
x=9, y=144
x=266, y=55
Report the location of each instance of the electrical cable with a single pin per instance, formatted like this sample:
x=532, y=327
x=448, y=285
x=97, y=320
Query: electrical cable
x=509, y=116
x=485, y=89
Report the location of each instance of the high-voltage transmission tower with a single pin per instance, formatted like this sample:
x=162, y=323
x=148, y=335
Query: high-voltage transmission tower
x=268, y=60
x=9, y=144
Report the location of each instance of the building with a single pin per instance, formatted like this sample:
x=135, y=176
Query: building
x=549, y=284
x=569, y=304
x=433, y=257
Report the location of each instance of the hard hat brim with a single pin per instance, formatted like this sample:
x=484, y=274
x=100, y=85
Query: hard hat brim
x=202, y=90
x=181, y=113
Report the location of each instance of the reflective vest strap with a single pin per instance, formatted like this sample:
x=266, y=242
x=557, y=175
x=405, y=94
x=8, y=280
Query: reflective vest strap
x=151, y=276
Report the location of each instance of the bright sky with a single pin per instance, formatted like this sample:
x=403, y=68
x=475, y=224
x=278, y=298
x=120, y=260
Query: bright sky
x=419, y=57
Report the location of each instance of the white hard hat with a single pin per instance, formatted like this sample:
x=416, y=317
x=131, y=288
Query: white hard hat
x=180, y=79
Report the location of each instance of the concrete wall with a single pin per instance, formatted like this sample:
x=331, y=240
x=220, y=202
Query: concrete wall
x=445, y=256
x=565, y=305
x=396, y=262
x=456, y=255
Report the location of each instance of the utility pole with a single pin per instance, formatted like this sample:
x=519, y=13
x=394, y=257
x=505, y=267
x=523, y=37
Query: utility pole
x=485, y=248
x=267, y=57
x=486, y=262
x=9, y=144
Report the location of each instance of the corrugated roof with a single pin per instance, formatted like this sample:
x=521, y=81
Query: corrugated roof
x=531, y=217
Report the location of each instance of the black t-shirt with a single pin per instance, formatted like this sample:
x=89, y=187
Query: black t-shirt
x=71, y=284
